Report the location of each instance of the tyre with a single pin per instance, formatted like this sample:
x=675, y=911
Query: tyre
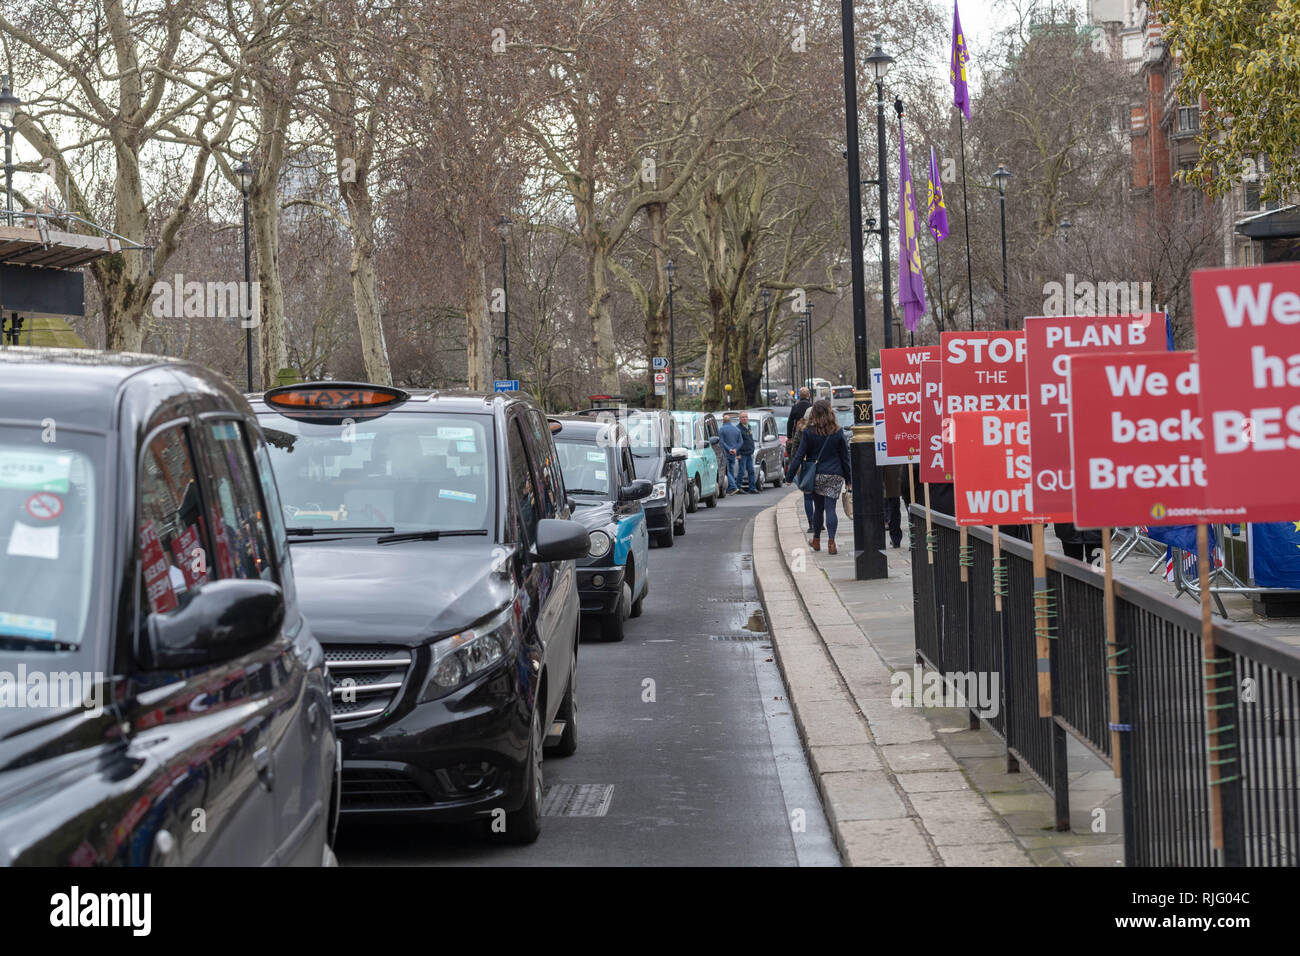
x=611, y=625
x=679, y=526
x=568, y=712
x=639, y=604
x=665, y=538
x=779, y=479
x=712, y=500
x=692, y=496
x=761, y=478
x=525, y=824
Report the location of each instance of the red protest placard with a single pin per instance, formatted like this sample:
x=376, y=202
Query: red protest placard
x=1137, y=441
x=1049, y=341
x=983, y=371
x=1248, y=328
x=991, y=464
x=936, y=454
x=157, y=573
x=900, y=371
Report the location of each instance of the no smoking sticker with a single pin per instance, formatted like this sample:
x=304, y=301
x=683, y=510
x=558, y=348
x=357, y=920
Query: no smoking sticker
x=44, y=506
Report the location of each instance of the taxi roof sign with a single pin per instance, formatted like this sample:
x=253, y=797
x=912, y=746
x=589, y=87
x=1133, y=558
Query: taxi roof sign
x=334, y=396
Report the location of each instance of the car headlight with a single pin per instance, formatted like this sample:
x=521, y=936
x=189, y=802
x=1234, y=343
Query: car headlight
x=462, y=656
x=660, y=491
x=600, y=544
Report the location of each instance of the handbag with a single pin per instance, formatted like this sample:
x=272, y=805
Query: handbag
x=807, y=478
x=846, y=501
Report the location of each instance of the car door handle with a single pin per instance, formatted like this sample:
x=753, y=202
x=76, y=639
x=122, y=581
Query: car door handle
x=265, y=770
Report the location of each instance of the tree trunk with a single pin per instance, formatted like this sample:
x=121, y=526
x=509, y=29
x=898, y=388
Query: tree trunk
x=374, y=352
x=602, y=325
x=264, y=209
x=656, y=324
x=478, y=320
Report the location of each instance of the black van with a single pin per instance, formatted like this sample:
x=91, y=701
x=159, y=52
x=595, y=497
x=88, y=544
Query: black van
x=166, y=703
x=434, y=551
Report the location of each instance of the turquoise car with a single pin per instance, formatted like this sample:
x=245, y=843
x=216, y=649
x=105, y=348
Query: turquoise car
x=700, y=439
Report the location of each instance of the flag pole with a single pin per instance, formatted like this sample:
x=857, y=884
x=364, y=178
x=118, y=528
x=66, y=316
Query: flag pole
x=938, y=272
x=965, y=208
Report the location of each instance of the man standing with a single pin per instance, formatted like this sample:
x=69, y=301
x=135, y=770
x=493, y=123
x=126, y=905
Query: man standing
x=796, y=413
x=731, y=441
x=746, y=469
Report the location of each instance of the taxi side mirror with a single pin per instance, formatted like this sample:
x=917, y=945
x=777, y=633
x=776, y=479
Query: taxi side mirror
x=636, y=490
x=224, y=620
x=559, y=539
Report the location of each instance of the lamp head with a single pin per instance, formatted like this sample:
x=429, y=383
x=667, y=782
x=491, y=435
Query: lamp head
x=879, y=61
x=244, y=173
x=1000, y=177
x=9, y=104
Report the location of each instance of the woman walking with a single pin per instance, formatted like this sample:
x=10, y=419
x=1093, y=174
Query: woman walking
x=824, y=456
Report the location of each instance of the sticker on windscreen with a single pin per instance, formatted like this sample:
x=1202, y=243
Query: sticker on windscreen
x=453, y=433
x=35, y=471
x=596, y=456
x=455, y=495
x=29, y=541
x=25, y=625
x=602, y=475
x=467, y=446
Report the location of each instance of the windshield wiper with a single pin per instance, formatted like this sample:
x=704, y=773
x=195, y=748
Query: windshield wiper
x=23, y=640
x=586, y=491
x=428, y=535
x=304, y=531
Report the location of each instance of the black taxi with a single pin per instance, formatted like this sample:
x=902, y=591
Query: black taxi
x=431, y=536
x=162, y=699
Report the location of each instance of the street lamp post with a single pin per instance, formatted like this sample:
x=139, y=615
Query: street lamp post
x=504, y=225
x=8, y=109
x=767, y=347
x=245, y=174
x=812, y=364
x=1000, y=178
x=672, y=342
x=869, y=560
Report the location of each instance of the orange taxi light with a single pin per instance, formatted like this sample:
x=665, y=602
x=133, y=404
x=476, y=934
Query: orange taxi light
x=334, y=395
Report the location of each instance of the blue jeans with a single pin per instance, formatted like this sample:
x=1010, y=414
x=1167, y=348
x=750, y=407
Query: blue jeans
x=824, y=507
x=746, y=468
x=732, y=462
x=808, y=508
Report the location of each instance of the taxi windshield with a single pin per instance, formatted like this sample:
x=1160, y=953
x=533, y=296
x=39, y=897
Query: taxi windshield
x=585, y=466
x=399, y=471
x=49, y=520
x=644, y=435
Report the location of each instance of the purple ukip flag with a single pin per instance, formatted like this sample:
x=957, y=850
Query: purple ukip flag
x=960, y=94
x=911, y=283
x=938, y=212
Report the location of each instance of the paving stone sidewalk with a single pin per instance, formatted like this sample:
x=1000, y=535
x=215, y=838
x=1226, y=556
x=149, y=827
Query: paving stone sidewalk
x=904, y=786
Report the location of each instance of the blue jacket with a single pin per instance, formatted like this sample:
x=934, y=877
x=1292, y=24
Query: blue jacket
x=746, y=438
x=831, y=452
x=731, y=437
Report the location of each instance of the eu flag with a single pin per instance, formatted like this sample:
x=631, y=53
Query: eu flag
x=1275, y=554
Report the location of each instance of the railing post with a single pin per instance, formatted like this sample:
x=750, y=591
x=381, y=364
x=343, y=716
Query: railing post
x=1060, y=760
x=1228, y=749
x=1122, y=664
x=968, y=593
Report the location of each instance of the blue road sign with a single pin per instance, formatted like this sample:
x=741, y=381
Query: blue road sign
x=506, y=385
x=660, y=362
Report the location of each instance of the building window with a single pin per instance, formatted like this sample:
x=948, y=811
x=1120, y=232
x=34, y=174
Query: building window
x=1251, y=199
x=1189, y=119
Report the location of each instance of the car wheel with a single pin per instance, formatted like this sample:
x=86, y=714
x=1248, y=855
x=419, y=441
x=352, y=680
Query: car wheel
x=525, y=824
x=639, y=604
x=611, y=625
x=679, y=526
x=665, y=538
x=692, y=496
x=568, y=742
x=712, y=500
x=761, y=479
x=778, y=479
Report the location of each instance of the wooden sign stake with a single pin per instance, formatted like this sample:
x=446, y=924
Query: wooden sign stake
x=1042, y=622
x=929, y=525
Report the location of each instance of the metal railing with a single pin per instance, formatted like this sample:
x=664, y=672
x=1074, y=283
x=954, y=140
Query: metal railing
x=1160, y=678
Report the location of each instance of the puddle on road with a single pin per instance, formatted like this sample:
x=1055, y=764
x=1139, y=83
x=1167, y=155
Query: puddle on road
x=757, y=622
